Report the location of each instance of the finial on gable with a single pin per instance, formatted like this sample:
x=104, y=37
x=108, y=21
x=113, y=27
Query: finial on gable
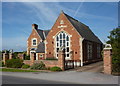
x=62, y=11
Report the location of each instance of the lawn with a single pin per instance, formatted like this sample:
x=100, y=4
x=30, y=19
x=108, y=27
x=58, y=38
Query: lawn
x=17, y=70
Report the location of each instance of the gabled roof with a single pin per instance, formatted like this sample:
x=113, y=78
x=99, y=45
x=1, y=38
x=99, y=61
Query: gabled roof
x=83, y=30
x=41, y=48
x=42, y=32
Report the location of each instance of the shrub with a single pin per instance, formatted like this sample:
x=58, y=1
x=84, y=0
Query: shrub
x=1, y=64
x=25, y=66
x=51, y=59
x=38, y=66
x=14, y=63
x=27, y=57
x=55, y=68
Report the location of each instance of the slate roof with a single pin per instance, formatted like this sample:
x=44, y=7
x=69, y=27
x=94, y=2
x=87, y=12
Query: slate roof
x=83, y=30
x=41, y=48
x=41, y=33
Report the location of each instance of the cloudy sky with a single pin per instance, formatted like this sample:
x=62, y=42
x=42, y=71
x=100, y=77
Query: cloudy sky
x=17, y=18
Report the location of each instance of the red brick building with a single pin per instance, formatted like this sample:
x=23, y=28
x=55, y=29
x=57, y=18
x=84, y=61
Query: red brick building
x=76, y=39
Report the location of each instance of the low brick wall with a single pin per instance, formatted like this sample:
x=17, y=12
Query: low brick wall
x=48, y=63
x=27, y=62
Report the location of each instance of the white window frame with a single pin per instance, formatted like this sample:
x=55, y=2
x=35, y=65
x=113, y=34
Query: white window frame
x=36, y=41
x=58, y=35
x=89, y=50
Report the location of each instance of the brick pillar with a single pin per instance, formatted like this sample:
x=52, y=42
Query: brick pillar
x=32, y=58
x=10, y=55
x=61, y=60
x=21, y=56
x=5, y=57
x=107, y=61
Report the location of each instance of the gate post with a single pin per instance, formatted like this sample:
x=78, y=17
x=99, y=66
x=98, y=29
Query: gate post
x=61, y=60
x=5, y=57
x=32, y=58
x=108, y=59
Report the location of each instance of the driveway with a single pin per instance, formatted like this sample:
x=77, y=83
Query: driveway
x=94, y=67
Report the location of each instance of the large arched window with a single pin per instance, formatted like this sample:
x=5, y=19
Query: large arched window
x=63, y=40
x=34, y=42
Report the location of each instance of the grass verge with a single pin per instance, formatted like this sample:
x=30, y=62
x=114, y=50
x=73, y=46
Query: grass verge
x=16, y=70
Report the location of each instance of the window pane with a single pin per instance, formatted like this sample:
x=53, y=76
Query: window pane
x=63, y=35
x=57, y=44
x=67, y=49
x=57, y=38
x=67, y=38
x=60, y=36
x=67, y=55
x=67, y=44
x=57, y=49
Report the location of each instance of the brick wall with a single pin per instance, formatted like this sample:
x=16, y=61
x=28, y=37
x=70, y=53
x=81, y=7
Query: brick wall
x=34, y=34
x=75, y=37
x=48, y=63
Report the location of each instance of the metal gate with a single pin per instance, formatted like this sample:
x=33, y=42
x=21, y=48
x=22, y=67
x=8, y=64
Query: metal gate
x=70, y=64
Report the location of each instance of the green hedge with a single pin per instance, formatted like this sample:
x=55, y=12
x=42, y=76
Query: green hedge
x=14, y=63
x=55, y=68
x=25, y=66
x=38, y=66
x=51, y=59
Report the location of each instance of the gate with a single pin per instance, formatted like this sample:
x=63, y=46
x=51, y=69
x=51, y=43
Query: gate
x=70, y=64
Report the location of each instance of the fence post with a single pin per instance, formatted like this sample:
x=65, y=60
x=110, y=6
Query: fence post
x=5, y=57
x=107, y=60
x=11, y=55
x=61, y=60
x=32, y=58
x=21, y=56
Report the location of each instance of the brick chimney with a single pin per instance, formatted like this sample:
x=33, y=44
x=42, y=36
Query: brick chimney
x=34, y=26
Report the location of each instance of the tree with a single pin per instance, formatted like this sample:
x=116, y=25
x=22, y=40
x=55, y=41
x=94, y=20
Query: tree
x=114, y=40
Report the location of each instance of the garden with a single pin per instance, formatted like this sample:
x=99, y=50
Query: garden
x=17, y=65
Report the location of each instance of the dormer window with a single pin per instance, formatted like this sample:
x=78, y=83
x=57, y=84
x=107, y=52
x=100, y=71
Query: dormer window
x=34, y=42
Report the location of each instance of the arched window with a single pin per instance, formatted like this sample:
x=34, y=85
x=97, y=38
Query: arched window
x=63, y=40
x=34, y=42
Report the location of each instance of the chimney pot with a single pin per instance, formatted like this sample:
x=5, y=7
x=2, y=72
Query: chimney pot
x=34, y=26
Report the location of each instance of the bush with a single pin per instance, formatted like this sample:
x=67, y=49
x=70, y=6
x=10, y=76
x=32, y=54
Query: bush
x=27, y=57
x=38, y=66
x=14, y=63
x=51, y=59
x=2, y=64
x=55, y=68
x=25, y=66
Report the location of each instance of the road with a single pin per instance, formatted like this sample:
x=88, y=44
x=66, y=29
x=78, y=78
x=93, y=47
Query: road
x=20, y=80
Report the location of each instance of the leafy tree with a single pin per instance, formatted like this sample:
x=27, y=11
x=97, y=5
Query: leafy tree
x=114, y=40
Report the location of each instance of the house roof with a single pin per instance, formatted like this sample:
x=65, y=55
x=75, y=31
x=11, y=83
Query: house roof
x=42, y=33
x=83, y=30
x=41, y=48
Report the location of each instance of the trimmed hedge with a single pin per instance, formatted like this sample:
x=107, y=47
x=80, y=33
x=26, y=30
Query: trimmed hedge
x=51, y=59
x=25, y=66
x=38, y=66
x=55, y=68
x=14, y=63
